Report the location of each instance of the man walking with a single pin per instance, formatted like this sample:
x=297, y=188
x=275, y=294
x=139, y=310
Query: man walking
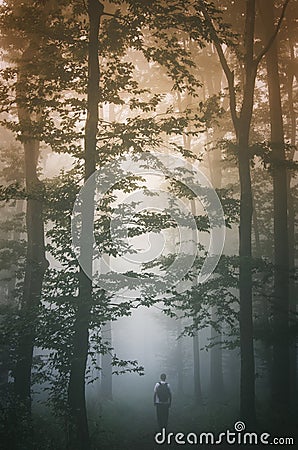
x=162, y=401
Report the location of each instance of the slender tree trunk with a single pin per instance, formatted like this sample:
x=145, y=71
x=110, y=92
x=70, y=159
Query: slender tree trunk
x=247, y=376
x=242, y=123
x=36, y=265
x=216, y=367
x=106, y=364
x=79, y=432
x=7, y=294
x=281, y=366
x=256, y=229
x=197, y=371
x=216, y=370
x=242, y=128
x=292, y=294
x=290, y=19
x=36, y=262
x=179, y=360
x=195, y=338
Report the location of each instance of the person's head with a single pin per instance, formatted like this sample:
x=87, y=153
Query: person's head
x=163, y=377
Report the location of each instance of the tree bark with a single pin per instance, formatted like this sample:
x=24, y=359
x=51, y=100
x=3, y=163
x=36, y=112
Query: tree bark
x=242, y=123
x=290, y=20
x=106, y=364
x=281, y=366
x=179, y=359
x=247, y=375
x=36, y=262
x=196, y=369
x=217, y=389
x=79, y=431
x=242, y=128
x=216, y=366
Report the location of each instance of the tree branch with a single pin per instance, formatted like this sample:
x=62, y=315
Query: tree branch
x=271, y=40
x=228, y=73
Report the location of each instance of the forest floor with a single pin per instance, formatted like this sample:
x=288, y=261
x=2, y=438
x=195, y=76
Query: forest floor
x=129, y=423
x=133, y=426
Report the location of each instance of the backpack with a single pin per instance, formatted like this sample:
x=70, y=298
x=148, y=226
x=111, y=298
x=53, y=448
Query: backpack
x=163, y=392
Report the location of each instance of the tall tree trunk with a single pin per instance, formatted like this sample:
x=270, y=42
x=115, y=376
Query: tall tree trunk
x=36, y=262
x=179, y=359
x=79, y=431
x=247, y=375
x=256, y=228
x=216, y=367
x=290, y=19
x=241, y=124
x=196, y=370
x=106, y=364
x=281, y=366
x=242, y=128
x=195, y=338
x=8, y=279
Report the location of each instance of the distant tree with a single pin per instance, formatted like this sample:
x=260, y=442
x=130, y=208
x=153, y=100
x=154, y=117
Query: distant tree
x=280, y=368
x=196, y=369
x=242, y=120
x=34, y=79
x=106, y=385
x=12, y=245
x=29, y=116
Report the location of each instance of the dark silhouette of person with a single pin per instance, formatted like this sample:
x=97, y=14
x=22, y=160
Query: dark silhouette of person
x=162, y=401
